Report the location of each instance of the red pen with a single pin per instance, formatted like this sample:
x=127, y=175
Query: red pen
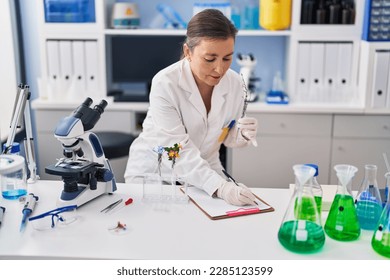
x=127, y=202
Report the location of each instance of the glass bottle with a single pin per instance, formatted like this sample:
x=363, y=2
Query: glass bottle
x=301, y=229
x=342, y=222
x=316, y=188
x=380, y=241
x=368, y=201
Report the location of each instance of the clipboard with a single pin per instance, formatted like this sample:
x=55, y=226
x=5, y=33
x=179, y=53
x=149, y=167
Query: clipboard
x=216, y=208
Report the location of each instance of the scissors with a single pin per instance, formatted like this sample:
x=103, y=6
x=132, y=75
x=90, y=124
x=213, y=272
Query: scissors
x=112, y=206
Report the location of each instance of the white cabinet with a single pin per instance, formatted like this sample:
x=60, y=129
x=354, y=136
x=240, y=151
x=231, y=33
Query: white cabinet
x=284, y=140
x=360, y=140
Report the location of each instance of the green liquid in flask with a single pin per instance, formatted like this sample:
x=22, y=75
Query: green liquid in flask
x=301, y=236
x=318, y=200
x=342, y=222
x=381, y=244
x=305, y=211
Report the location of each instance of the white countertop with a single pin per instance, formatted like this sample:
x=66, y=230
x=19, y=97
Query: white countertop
x=169, y=232
x=255, y=107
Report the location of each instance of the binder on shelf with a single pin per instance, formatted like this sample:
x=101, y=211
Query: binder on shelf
x=66, y=68
x=53, y=66
x=78, y=81
x=330, y=70
x=380, y=78
x=303, y=71
x=344, y=64
x=217, y=209
x=92, y=66
x=317, y=51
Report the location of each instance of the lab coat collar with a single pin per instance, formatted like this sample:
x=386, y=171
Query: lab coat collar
x=188, y=84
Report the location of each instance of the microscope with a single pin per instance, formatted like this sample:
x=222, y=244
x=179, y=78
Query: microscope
x=85, y=171
x=248, y=63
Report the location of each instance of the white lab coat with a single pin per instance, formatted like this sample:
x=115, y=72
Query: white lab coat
x=177, y=114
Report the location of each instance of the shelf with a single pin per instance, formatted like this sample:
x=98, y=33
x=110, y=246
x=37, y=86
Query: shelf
x=182, y=32
x=328, y=30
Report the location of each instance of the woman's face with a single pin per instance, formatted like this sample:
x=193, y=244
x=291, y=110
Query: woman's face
x=210, y=60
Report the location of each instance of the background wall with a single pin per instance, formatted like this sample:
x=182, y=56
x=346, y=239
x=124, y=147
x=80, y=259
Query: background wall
x=269, y=52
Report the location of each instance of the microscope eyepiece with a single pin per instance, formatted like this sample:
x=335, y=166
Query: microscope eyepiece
x=87, y=102
x=100, y=107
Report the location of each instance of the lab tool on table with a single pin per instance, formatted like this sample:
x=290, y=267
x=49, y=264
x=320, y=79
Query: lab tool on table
x=28, y=208
x=342, y=222
x=13, y=177
x=316, y=188
x=22, y=107
x=301, y=230
x=112, y=206
x=58, y=217
x=380, y=241
x=122, y=205
x=2, y=210
x=118, y=228
x=368, y=201
x=85, y=170
x=160, y=189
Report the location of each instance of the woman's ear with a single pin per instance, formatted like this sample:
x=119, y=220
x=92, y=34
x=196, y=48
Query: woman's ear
x=186, y=52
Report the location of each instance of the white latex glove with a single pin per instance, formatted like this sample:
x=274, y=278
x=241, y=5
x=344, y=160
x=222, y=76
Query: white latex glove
x=248, y=129
x=237, y=195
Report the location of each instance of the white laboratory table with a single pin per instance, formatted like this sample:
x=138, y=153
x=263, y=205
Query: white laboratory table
x=167, y=232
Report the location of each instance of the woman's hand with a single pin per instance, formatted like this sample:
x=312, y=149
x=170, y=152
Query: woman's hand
x=248, y=129
x=237, y=195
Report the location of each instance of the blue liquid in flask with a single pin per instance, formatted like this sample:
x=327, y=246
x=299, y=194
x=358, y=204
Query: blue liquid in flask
x=368, y=213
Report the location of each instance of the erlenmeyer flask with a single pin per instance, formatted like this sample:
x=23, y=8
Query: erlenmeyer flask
x=380, y=241
x=368, y=201
x=301, y=229
x=342, y=222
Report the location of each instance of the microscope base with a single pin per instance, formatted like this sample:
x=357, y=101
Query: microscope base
x=84, y=195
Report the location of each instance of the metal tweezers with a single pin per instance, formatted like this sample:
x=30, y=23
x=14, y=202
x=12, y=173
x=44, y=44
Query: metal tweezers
x=112, y=206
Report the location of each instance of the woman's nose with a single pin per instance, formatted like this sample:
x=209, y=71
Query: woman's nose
x=219, y=67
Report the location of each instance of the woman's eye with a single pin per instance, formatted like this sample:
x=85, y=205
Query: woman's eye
x=210, y=59
x=227, y=58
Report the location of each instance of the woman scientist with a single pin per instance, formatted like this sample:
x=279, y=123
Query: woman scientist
x=191, y=101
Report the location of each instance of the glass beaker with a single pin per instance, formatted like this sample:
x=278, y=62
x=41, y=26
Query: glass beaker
x=342, y=222
x=152, y=191
x=301, y=229
x=380, y=241
x=368, y=201
x=13, y=176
